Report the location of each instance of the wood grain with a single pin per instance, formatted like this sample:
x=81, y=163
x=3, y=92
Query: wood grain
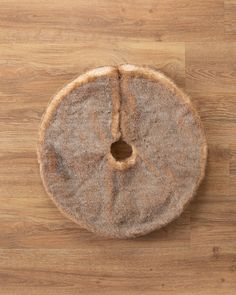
x=45, y=44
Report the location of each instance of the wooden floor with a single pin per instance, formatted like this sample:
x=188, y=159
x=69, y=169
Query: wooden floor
x=43, y=45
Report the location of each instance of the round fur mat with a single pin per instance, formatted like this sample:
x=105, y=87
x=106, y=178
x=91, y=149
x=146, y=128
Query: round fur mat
x=121, y=150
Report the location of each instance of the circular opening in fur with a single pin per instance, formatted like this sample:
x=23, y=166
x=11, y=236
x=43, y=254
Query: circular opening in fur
x=121, y=150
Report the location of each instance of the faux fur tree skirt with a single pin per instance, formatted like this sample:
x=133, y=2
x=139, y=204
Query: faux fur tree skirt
x=82, y=171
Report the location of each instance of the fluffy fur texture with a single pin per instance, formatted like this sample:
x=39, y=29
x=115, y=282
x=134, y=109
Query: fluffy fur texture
x=135, y=196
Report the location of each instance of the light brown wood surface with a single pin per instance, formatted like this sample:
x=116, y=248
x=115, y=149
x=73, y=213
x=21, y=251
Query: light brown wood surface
x=45, y=44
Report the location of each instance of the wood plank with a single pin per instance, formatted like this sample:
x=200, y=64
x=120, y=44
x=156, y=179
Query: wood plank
x=123, y=270
x=210, y=67
x=212, y=221
x=230, y=19
x=215, y=107
x=72, y=20
x=29, y=66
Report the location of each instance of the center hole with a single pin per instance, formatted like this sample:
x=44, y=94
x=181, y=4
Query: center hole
x=121, y=150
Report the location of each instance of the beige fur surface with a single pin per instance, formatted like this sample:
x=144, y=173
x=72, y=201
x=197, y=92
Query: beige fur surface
x=130, y=197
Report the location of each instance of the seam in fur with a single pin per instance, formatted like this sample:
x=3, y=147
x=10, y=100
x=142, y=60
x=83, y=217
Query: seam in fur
x=116, y=108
